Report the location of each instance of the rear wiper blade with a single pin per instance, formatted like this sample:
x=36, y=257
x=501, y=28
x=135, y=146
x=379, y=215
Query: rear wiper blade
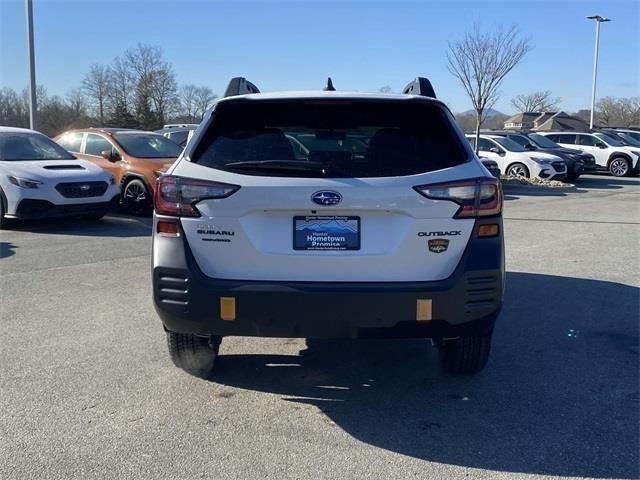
x=289, y=165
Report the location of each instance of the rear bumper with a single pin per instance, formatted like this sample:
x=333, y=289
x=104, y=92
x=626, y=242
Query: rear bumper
x=29, y=209
x=466, y=303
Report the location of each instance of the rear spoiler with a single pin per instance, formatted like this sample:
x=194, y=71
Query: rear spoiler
x=240, y=86
x=420, y=86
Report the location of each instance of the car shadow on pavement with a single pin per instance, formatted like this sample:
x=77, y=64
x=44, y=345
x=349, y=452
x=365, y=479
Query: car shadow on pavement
x=558, y=397
x=115, y=225
x=606, y=182
x=7, y=249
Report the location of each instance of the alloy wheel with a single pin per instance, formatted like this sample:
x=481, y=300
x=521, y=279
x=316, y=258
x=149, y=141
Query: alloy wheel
x=619, y=167
x=135, y=197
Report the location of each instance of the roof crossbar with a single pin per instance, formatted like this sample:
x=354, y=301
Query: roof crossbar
x=240, y=86
x=420, y=86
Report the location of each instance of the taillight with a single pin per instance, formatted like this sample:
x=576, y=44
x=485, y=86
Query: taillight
x=177, y=196
x=479, y=197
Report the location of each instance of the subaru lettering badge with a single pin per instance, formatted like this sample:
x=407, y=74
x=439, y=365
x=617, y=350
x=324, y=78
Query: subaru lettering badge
x=326, y=198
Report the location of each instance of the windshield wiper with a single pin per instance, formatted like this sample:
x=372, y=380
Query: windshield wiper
x=279, y=165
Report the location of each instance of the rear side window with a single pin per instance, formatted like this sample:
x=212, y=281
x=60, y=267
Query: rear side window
x=566, y=138
x=335, y=139
x=71, y=141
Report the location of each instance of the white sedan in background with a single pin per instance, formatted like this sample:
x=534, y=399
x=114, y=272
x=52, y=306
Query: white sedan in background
x=513, y=159
x=39, y=178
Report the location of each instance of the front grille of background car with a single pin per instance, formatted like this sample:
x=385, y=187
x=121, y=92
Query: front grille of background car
x=82, y=189
x=559, y=166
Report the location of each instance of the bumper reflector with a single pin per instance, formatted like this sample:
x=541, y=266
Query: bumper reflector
x=423, y=310
x=169, y=229
x=228, y=308
x=490, y=230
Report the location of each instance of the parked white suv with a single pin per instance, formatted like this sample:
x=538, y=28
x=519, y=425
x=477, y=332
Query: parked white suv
x=514, y=159
x=388, y=226
x=610, y=153
x=39, y=178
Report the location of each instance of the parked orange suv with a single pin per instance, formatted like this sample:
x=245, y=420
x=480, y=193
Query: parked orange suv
x=136, y=159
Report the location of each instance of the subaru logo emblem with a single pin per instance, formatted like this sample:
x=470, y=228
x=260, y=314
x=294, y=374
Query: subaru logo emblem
x=84, y=188
x=326, y=198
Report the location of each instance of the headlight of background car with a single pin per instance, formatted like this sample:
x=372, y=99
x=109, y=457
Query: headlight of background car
x=24, y=182
x=541, y=160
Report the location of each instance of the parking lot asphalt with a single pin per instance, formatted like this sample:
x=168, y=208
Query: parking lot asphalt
x=88, y=390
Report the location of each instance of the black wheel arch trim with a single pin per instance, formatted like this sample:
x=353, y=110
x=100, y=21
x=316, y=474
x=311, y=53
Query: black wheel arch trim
x=617, y=154
x=131, y=176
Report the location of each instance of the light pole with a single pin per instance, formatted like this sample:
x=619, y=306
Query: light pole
x=598, y=20
x=32, y=65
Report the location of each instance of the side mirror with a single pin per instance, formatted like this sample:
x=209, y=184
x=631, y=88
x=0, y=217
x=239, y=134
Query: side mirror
x=110, y=155
x=530, y=146
x=496, y=150
x=601, y=145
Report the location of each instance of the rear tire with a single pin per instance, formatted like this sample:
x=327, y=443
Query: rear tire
x=465, y=354
x=518, y=170
x=619, y=167
x=3, y=221
x=195, y=355
x=573, y=176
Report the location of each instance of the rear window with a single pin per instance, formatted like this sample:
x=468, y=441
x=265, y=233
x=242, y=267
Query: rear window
x=335, y=139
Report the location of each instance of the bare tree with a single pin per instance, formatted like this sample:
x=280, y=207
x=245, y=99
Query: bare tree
x=96, y=85
x=12, y=109
x=204, y=100
x=386, y=89
x=77, y=102
x=481, y=61
x=164, y=92
x=121, y=90
x=154, y=80
x=618, y=112
x=541, y=101
x=188, y=106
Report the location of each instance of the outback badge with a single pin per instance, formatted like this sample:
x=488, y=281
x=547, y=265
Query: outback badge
x=438, y=245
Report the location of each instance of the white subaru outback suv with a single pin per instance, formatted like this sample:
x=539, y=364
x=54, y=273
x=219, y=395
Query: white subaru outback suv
x=388, y=227
x=39, y=178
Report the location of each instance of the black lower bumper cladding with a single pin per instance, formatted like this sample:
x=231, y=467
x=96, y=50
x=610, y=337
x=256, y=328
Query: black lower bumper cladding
x=467, y=302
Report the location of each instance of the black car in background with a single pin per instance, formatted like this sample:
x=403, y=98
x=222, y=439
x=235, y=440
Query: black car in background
x=578, y=162
x=492, y=166
x=628, y=137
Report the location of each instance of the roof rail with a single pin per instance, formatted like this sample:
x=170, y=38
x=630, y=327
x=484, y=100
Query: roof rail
x=420, y=86
x=240, y=86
